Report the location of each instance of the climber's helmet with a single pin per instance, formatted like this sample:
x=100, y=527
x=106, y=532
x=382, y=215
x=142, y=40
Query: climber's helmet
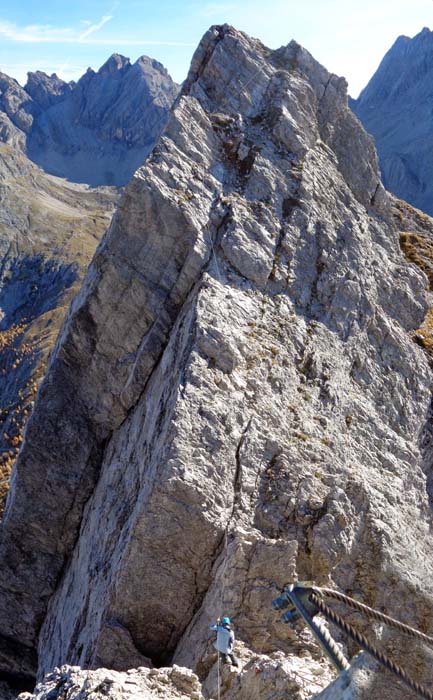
x=225, y=621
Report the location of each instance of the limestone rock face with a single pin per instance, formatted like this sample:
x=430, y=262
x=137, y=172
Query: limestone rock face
x=96, y=131
x=235, y=400
x=355, y=683
x=17, y=110
x=45, y=89
x=395, y=107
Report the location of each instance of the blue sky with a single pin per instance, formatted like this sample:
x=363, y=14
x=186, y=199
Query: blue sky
x=348, y=36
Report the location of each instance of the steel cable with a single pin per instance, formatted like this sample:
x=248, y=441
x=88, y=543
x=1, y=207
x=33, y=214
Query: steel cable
x=367, y=646
x=373, y=614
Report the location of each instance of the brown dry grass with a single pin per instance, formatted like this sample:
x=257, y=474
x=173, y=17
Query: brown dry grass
x=55, y=219
x=32, y=341
x=407, y=217
x=15, y=349
x=418, y=249
x=424, y=335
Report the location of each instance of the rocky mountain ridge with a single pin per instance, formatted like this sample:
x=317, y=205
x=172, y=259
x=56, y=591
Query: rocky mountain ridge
x=395, y=107
x=97, y=131
x=235, y=395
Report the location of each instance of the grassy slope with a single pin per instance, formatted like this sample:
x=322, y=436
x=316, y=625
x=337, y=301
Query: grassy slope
x=49, y=230
x=416, y=241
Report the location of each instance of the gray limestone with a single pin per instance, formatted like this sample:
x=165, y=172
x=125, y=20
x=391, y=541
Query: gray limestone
x=96, y=131
x=260, y=677
x=234, y=401
x=46, y=90
x=138, y=684
x=395, y=107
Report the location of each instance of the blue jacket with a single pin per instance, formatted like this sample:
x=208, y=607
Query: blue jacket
x=225, y=638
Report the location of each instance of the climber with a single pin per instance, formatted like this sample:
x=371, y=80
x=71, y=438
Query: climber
x=225, y=640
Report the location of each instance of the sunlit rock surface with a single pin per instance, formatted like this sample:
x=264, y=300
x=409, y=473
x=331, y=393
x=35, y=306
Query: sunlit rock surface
x=235, y=400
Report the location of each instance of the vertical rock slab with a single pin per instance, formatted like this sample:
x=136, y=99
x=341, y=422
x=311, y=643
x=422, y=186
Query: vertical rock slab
x=238, y=399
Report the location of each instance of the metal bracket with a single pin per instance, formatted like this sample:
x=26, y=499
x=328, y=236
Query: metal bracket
x=296, y=597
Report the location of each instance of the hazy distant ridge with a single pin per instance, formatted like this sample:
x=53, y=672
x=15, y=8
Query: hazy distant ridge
x=98, y=130
x=396, y=108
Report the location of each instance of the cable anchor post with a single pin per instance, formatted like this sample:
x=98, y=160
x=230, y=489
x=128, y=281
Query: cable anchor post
x=296, y=597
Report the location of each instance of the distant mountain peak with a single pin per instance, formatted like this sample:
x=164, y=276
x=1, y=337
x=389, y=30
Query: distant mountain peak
x=45, y=89
x=115, y=64
x=146, y=61
x=396, y=107
x=98, y=130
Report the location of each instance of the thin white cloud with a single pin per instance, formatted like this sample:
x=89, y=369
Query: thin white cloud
x=95, y=27
x=119, y=41
x=213, y=9
x=36, y=33
x=66, y=71
x=47, y=34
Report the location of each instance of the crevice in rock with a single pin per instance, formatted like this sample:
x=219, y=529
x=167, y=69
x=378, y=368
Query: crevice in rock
x=237, y=481
x=326, y=86
x=245, y=165
x=374, y=195
x=288, y=205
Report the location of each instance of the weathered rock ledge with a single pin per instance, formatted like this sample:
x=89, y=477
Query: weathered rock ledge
x=148, y=684
x=261, y=677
